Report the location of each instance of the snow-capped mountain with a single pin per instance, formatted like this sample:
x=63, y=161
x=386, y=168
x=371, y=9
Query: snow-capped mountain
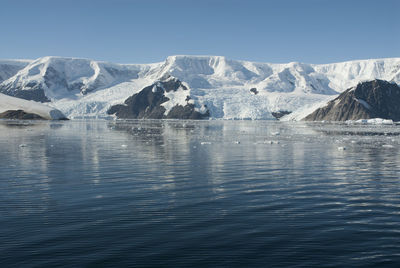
x=367, y=100
x=228, y=88
x=53, y=78
x=168, y=98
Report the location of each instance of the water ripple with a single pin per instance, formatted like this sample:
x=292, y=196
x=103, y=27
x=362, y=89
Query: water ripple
x=217, y=193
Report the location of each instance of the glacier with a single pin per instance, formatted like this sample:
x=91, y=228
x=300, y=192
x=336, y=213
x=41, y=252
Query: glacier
x=82, y=88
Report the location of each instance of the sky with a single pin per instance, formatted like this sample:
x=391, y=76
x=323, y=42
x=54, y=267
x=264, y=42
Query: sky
x=146, y=31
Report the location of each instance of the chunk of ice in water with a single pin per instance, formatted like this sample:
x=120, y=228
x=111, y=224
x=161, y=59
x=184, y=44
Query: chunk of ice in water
x=387, y=146
x=272, y=142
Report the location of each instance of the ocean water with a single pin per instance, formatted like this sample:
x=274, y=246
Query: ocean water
x=196, y=194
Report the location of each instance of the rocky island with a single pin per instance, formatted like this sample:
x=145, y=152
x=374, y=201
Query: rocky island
x=372, y=99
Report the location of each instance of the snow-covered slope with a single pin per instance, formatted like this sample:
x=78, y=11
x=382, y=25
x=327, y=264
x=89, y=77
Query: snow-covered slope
x=168, y=98
x=9, y=68
x=11, y=103
x=61, y=78
x=82, y=87
x=344, y=75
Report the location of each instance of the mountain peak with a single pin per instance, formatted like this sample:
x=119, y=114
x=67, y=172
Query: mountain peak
x=372, y=99
x=84, y=86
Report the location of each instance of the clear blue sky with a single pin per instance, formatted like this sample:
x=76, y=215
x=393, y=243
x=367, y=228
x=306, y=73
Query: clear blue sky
x=144, y=31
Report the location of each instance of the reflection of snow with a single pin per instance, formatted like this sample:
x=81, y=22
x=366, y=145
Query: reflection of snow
x=93, y=159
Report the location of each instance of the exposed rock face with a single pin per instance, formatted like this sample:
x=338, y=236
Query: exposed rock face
x=32, y=91
x=20, y=114
x=254, y=90
x=280, y=114
x=373, y=99
x=35, y=94
x=147, y=104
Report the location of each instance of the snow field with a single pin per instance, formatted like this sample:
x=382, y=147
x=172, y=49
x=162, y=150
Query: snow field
x=87, y=88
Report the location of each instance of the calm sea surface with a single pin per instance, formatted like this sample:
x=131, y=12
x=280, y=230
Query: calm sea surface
x=197, y=194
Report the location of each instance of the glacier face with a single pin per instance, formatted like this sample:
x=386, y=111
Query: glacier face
x=85, y=88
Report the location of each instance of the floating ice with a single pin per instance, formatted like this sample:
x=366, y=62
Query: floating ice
x=387, y=146
x=205, y=142
x=373, y=121
x=271, y=142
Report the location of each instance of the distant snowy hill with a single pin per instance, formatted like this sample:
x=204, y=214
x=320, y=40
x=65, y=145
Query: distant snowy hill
x=230, y=89
x=8, y=103
x=9, y=68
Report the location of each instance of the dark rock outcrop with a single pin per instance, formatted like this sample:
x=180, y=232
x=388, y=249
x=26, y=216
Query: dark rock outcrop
x=186, y=112
x=373, y=99
x=147, y=104
x=31, y=91
x=20, y=114
x=280, y=114
x=254, y=90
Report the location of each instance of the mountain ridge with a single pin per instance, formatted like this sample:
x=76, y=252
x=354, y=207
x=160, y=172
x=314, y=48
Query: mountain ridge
x=367, y=100
x=85, y=87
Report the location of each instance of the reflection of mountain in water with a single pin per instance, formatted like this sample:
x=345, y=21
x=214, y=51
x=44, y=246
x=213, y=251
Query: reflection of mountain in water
x=170, y=152
x=191, y=192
